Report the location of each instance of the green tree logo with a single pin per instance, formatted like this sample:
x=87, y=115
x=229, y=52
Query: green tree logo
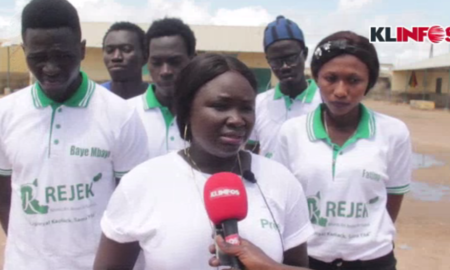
x=314, y=211
x=30, y=205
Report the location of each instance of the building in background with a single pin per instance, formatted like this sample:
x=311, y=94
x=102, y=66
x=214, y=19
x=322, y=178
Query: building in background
x=243, y=42
x=13, y=68
x=424, y=80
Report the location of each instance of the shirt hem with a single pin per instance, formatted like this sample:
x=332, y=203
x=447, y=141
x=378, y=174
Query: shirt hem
x=112, y=234
x=398, y=190
x=120, y=174
x=5, y=172
x=299, y=238
x=327, y=258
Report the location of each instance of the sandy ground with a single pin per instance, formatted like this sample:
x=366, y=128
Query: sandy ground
x=423, y=226
x=423, y=241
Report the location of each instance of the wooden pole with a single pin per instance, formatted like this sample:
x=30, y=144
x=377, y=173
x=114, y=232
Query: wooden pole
x=424, y=84
x=8, y=74
x=448, y=90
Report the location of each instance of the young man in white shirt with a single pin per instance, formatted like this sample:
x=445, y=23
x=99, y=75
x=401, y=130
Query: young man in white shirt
x=64, y=143
x=125, y=52
x=294, y=95
x=171, y=47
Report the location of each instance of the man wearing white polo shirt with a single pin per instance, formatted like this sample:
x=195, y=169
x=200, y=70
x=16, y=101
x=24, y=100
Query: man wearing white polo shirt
x=63, y=143
x=171, y=47
x=294, y=95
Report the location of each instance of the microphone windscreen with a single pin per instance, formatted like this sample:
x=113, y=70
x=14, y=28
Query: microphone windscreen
x=225, y=197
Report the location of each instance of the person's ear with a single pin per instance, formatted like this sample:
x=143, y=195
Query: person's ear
x=83, y=49
x=305, y=53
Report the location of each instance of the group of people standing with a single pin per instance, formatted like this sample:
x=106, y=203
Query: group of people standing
x=110, y=176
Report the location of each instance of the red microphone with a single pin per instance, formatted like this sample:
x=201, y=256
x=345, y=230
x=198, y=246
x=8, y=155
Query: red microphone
x=226, y=204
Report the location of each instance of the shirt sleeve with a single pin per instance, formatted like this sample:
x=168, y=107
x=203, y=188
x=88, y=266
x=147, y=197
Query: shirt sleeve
x=131, y=147
x=297, y=225
x=116, y=222
x=5, y=165
x=282, y=151
x=400, y=167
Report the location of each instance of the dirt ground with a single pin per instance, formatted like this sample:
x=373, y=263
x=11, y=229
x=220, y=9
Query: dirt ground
x=423, y=241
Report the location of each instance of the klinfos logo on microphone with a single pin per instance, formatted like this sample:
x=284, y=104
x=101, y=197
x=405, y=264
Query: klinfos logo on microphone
x=233, y=239
x=224, y=192
x=435, y=34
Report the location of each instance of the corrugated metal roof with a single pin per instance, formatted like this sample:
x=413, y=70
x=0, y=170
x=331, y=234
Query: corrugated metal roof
x=209, y=37
x=441, y=61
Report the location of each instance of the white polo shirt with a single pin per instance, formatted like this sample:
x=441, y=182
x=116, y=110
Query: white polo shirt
x=160, y=205
x=273, y=108
x=162, y=130
x=347, y=186
x=63, y=160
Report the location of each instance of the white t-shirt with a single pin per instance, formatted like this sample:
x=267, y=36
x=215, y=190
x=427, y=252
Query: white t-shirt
x=273, y=108
x=347, y=186
x=63, y=160
x=160, y=125
x=160, y=204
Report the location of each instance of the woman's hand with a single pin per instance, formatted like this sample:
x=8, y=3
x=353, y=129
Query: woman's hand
x=252, y=257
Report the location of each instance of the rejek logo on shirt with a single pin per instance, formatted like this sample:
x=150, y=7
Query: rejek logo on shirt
x=314, y=211
x=342, y=209
x=32, y=206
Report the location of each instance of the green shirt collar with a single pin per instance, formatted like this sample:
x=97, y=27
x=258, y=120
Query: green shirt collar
x=150, y=100
x=81, y=97
x=306, y=96
x=316, y=129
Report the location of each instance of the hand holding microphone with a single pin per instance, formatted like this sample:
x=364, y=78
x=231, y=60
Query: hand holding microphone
x=226, y=204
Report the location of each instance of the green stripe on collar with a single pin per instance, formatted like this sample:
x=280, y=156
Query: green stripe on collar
x=316, y=129
x=80, y=98
x=151, y=102
x=306, y=96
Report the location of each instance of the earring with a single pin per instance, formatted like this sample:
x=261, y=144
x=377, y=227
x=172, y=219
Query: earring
x=185, y=139
x=185, y=132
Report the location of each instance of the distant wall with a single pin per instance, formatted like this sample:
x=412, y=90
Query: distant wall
x=426, y=81
x=426, y=89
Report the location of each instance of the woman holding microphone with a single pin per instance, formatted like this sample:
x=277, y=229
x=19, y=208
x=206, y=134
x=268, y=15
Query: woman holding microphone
x=159, y=206
x=353, y=163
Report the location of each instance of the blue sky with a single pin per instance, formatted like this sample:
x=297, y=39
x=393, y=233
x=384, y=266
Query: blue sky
x=434, y=8
x=435, y=11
